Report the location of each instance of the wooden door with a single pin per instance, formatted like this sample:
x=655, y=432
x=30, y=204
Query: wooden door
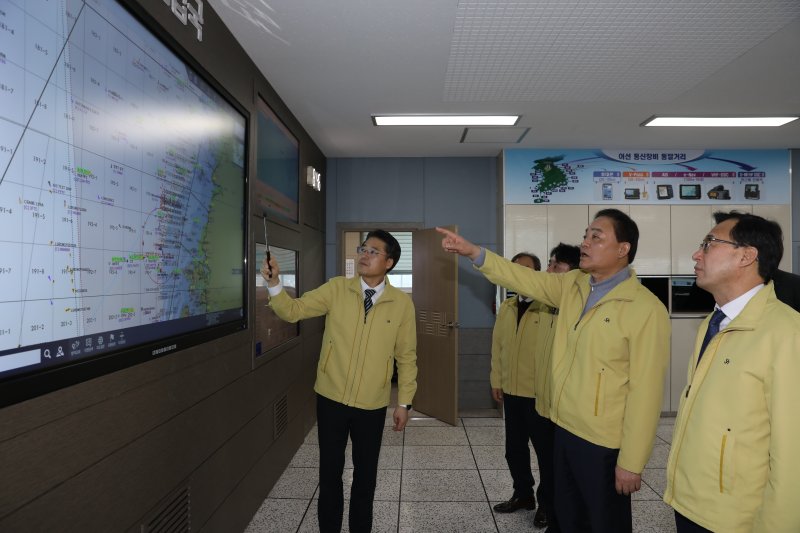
x=435, y=295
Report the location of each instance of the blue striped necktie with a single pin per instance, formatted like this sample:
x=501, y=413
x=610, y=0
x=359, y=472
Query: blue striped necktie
x=367, y=301
x=713, y=329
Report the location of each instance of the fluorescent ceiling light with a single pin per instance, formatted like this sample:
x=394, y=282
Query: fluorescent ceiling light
x=723, y=122
x=445, y=120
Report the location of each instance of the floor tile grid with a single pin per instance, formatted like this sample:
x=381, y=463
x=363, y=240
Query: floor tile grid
x=480, y=476
x=410, y=514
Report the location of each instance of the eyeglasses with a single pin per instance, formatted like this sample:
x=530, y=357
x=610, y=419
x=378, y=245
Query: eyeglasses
x=705, y=243
x=372, y=252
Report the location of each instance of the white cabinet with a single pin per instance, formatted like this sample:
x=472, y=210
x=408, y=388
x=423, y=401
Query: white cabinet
x=538, y=228
x=684, y=332
x=668, y=234
x=525, y=230
x=565, y=223
x=688, y=225
x=653, y=254
x=594, y=208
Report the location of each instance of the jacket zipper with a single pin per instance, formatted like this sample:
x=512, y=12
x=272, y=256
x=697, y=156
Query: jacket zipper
x=722, y=461
x=597, y=392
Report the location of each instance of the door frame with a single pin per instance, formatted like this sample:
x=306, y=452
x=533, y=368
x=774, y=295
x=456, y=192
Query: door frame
x=348, y=227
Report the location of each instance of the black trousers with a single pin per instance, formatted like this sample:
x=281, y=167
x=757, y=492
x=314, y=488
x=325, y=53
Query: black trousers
x=335, y=421
x=543, y=429
x=684, y=525
x=520, y=425
x=585, y=497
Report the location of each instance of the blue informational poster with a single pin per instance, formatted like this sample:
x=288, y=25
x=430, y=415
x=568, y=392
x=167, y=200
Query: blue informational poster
x=646, y=176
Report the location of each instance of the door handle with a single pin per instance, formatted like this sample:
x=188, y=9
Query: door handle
x=453, y=325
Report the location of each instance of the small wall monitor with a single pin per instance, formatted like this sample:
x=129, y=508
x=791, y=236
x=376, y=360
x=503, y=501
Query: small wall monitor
x=690, y=191
x=277, y=185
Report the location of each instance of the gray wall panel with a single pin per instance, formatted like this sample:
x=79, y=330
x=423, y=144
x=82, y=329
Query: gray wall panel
x=379, y=190
x=462, y=191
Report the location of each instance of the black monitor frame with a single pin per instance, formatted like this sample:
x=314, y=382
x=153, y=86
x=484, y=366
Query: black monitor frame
x=26, y=385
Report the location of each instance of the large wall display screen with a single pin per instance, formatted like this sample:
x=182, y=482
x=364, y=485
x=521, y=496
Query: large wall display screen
x=122, y=195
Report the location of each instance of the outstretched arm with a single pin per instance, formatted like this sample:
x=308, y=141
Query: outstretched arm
x=456, y=244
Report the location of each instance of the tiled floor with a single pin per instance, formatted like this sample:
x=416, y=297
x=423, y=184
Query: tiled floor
x=437, y=478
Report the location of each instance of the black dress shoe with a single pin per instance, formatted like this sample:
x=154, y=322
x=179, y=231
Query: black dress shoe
x=515, y=504
x=540, y=518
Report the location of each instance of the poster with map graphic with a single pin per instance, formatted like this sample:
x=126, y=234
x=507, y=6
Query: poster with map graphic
x=122, y=180
x=646, y=176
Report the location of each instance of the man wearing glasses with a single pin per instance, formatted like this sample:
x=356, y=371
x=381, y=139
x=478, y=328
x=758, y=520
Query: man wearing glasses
x=610, y=356
x=369, y=325
x=733, y=465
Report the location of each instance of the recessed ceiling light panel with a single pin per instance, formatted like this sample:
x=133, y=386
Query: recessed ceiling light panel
x=718, y=122
x=445, y=120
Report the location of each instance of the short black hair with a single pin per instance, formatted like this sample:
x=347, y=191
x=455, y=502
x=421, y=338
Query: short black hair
x=764, y=235
x=625, y=229
x=567, y=253
x=537, y=265
x=392, y=246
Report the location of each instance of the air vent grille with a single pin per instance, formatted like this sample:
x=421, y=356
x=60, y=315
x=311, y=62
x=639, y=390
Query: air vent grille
x=172, y=516
x=281, y=416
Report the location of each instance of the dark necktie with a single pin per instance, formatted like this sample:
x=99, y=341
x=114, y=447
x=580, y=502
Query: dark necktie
x=713, y=329
x=367, y=301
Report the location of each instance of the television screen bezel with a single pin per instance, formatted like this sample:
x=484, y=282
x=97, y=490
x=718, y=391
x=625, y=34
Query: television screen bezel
x=260, y=209
x=20, y=387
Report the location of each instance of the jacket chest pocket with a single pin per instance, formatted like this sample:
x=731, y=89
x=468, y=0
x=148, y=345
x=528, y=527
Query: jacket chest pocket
x=727, y=463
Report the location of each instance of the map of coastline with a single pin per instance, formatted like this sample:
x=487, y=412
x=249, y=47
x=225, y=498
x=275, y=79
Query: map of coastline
x=121, y=178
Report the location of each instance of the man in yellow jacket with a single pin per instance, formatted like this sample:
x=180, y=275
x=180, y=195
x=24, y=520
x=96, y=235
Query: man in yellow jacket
x=563, y=258
x=368, y=326
x=512, y=380
x=734, y=464
x=610, y=356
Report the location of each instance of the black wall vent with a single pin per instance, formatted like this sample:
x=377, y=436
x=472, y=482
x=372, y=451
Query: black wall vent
x=280, y=416
x=172, y=515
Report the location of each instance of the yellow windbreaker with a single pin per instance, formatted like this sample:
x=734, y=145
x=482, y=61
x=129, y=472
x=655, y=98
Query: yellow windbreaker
x=608, y=367
x=512, y=349
x=356, y=360
x=734, y=464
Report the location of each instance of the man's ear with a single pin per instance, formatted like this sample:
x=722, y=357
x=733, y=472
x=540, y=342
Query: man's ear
x=749, y=256
x=391, y=264
x=624, y=248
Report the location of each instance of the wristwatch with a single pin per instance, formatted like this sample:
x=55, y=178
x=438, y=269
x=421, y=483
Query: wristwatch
x=406, y=405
